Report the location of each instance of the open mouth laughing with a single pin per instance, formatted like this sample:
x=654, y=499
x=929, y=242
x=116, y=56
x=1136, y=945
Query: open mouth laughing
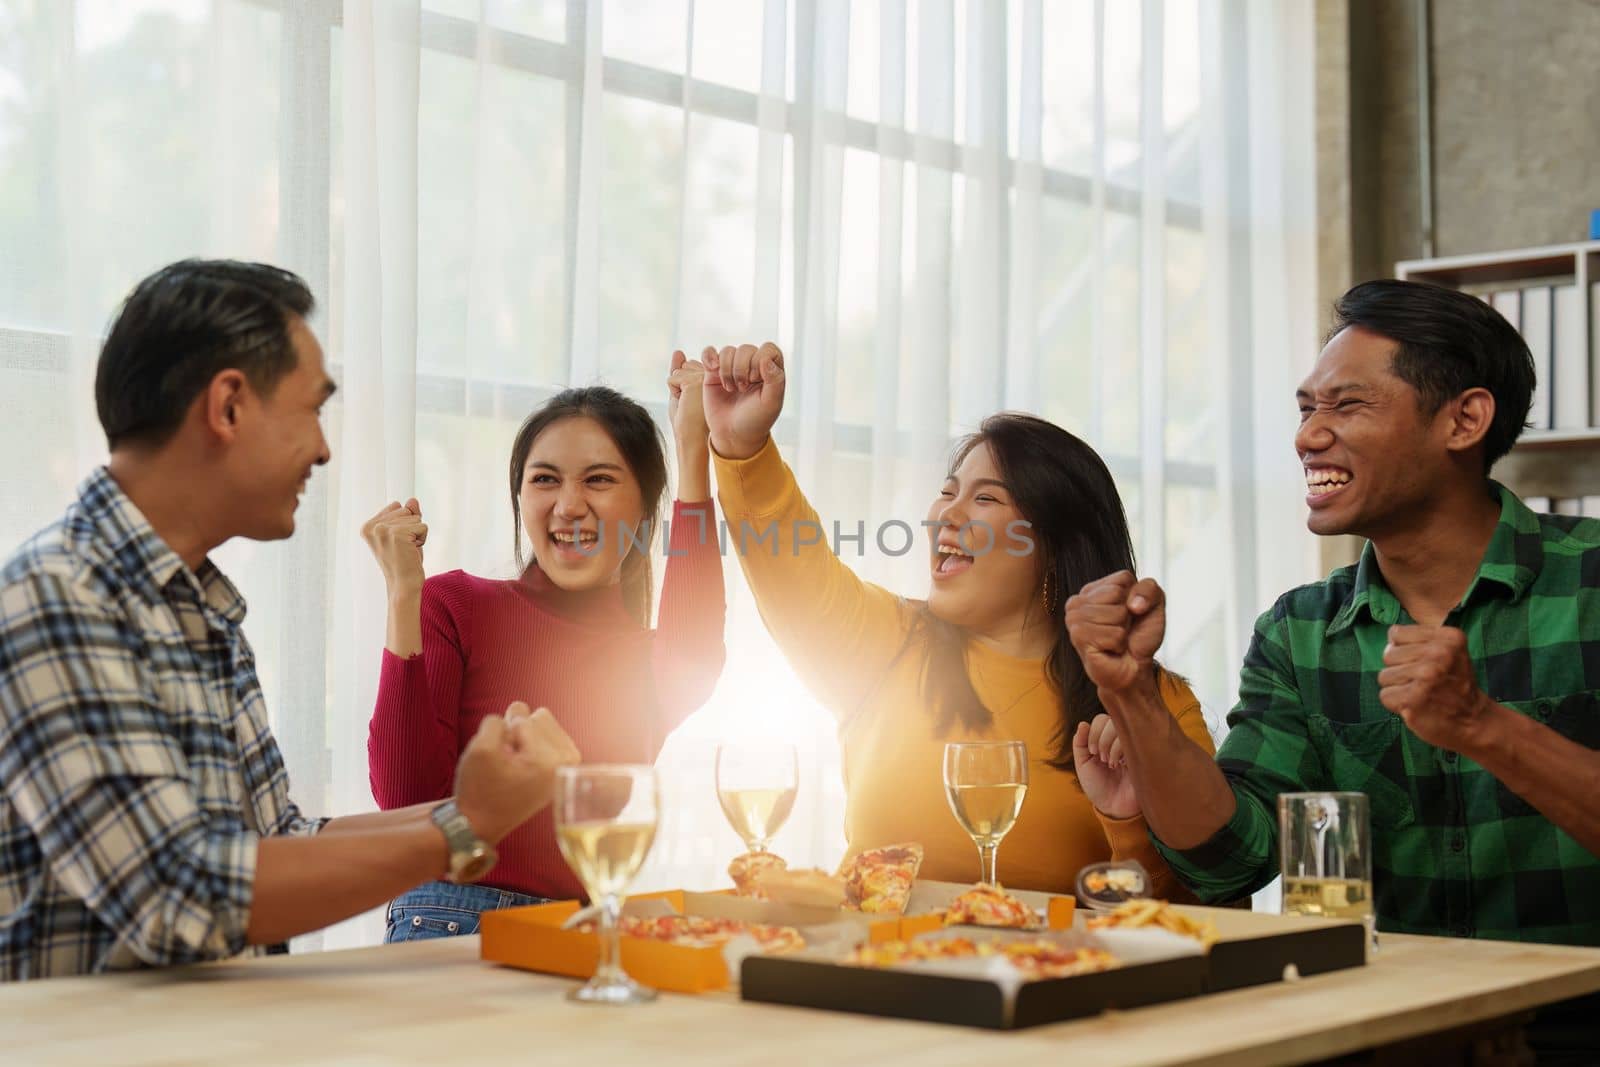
x=1325, y=482
x=952, y=560
x=575, y=545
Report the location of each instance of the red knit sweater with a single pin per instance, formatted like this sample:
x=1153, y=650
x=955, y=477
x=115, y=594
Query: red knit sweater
x=617, y=688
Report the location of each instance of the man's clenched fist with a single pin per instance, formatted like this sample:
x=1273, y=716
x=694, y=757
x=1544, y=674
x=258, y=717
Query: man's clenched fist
x=1428, y=680
x=507, y=773
x=1117, y=624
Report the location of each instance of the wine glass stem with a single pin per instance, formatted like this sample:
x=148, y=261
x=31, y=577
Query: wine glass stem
x=610, y=968
x=987, y=851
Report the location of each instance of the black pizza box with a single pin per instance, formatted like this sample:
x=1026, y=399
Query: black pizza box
x=1257, y=948
x=1158, y=967
x=1252, y=948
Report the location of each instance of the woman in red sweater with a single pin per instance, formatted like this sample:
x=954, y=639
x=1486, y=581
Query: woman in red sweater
x=571, y=634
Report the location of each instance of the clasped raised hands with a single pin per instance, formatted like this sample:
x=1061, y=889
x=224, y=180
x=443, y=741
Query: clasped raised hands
x=686, y=408
x=743, y=397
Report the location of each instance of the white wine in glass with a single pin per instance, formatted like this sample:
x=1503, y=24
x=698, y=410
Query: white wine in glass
x=756, y=783
x=606, y=855
x=605, y=816
x=1328, y=898
x=985, y=782
x=1325, y=847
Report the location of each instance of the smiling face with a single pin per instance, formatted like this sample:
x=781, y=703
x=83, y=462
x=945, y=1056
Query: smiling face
x=279, y=442
x=578, y=499
x=976, y=583
x=1371, y=454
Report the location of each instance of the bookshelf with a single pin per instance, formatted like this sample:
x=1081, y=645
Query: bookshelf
x=1552, y=295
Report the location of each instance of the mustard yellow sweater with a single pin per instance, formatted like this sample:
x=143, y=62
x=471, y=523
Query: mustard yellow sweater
x=846, y=639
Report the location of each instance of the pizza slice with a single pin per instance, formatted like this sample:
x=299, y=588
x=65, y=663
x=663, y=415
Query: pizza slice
x=1034, y=957
x=989, y=905
x=880, y=879
x=698, y=931
x=1050, y=959
x=776, y=940
x=896, y=953
x=748, y=869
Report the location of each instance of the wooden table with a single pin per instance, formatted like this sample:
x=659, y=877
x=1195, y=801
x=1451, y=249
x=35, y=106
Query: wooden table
x=432, y=1003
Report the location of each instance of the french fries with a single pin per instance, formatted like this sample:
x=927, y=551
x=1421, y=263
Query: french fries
x=1157, y=913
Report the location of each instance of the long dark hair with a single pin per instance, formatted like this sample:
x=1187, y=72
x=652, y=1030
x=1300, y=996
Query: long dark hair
x=635, y=434
x=1080, y=533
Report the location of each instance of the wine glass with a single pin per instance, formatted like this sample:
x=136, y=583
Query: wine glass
x=756, y=783
x=985, y=782
x=605, y=816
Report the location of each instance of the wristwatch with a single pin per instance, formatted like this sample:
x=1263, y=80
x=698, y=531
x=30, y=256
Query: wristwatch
x=471, y=857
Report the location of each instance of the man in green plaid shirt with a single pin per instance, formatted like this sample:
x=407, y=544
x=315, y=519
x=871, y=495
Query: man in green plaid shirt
x=1451, y=675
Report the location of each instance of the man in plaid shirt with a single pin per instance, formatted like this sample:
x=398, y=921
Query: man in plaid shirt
x=1450, y=675
x=145, y=816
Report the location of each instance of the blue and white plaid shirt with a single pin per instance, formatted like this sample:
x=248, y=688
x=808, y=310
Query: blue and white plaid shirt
x=137, y=764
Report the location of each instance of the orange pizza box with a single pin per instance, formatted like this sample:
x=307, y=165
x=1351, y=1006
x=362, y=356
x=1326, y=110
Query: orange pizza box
x=831, y=928
x=531, y=938
x=724, y=904
x=874, y=927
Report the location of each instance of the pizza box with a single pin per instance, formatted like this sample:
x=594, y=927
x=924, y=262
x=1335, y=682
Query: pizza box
x=1157, y=967
x=532, y=938
x=1257, y=948
x=1253, y=948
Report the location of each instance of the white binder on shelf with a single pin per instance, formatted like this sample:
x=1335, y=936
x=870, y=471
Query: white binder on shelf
x=1512, y=307
x=1594, y=355
x=1569, y=382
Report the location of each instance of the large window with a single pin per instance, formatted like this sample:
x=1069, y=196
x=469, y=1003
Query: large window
x=940, y=208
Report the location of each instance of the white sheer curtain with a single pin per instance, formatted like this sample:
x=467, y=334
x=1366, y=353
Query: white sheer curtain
x=1096, y=210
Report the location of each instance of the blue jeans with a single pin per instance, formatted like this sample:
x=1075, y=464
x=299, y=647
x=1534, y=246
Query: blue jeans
x=444, y=909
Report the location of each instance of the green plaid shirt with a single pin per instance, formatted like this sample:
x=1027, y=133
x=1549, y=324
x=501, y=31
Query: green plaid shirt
x=1454, y=851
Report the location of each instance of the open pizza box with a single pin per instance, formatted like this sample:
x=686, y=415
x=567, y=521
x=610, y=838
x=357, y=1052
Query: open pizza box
x=532, y=938
x=1156, y=966
x=985, y=992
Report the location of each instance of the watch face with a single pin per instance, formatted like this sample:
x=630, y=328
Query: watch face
x=473, y=865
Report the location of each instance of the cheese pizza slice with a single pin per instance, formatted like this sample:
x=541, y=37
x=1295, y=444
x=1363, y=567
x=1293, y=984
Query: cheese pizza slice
x=697, y=931
x=748, y=869
x=1034, y=958
x=880, y=879
x=989, y=905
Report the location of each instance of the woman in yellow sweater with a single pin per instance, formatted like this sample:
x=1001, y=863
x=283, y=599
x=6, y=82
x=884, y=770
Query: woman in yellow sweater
x=986, y=656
